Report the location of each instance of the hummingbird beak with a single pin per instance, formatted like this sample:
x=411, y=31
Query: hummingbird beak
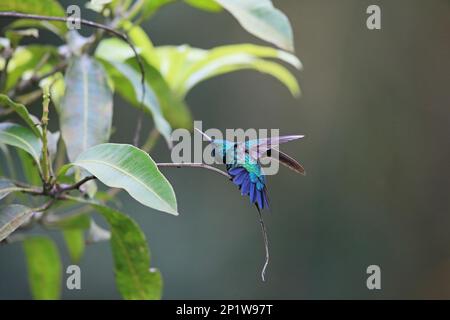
x=204, y=135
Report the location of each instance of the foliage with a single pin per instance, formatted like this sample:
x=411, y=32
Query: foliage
x=77, y=80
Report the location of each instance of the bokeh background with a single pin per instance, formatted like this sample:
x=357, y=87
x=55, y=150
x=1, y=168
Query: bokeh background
x=375, y=110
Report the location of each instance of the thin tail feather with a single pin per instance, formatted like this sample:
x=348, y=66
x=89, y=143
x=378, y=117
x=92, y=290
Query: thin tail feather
x=266, y=244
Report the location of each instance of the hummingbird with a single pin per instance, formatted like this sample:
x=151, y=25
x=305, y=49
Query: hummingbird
x=243, y=166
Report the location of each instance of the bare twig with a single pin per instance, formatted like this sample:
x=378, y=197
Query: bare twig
x=17, y=15
x=266, y=244
x=193, y=165
x=76, y=185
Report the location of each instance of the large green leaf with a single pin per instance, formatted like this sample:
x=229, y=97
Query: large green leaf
x=22, y=111
x=262, y=19
x=44, y=267
x=12, y=217
x=134, y=278
x=40, y=7
x=128, y=83
x=127, y=167
x=6, y=187
x=86, y=108
x=20, y=137
x=184, y=67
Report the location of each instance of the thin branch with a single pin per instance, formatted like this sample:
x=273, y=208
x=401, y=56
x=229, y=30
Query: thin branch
x=17, y=15
x=76, y=185
x=193, y=165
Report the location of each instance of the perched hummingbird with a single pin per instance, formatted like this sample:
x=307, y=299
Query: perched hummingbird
x=241, y=160
x=242, y=163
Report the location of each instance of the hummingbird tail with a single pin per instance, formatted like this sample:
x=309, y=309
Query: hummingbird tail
x=266, y=244
x=253, y=187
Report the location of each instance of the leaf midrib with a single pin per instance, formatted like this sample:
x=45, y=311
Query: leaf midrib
x=85, y=104
x=131, y=176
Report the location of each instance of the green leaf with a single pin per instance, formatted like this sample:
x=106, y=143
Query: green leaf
x=75, y=243
x=12, y=217
x=141, y=41
x=6, y=187
x=128, y=83
x=114, y=49
x=22, y=111
x=149, y=7
x=127, y=167
x=9, y=163
x=86, y=108
x=20, y=137
x=184, y=67
x=208, y=5
x=40, y=7
x=134, y=279
x=44, y=267
x=262, y=19
x=29, y=168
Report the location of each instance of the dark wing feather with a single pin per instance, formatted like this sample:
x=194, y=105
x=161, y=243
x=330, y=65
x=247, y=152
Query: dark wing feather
x=286, y=160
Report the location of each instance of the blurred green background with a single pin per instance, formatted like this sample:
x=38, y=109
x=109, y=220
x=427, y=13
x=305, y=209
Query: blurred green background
x=376, y=114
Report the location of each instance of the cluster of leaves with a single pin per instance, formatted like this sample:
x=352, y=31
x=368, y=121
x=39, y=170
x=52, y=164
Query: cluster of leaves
x=60, y=169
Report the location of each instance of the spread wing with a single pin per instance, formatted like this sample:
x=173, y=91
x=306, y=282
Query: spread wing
x=286, y=160
x=257, y=148
x=268, y=148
